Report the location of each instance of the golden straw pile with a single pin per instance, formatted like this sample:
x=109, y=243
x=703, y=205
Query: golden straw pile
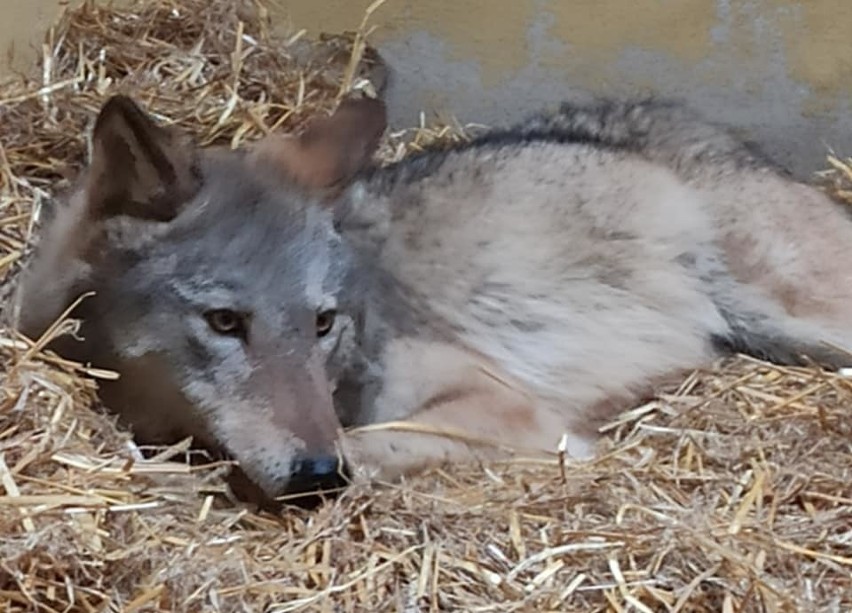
x=733, y=493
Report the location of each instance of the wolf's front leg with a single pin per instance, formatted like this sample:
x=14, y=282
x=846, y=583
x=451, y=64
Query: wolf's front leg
x=460, y=425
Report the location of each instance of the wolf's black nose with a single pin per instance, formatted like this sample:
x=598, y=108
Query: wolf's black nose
x=317, y=473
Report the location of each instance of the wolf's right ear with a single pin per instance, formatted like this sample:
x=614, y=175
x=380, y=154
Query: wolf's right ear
x=138, y=168
x=331, y=150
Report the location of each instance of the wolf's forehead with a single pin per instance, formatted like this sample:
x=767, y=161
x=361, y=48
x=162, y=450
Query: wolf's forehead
x=294, y=256
x=321, y=258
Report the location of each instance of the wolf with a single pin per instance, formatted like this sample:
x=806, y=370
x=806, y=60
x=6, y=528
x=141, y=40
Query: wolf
x=318, y=316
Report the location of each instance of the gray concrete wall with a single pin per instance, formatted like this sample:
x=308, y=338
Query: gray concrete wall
x=780, y=69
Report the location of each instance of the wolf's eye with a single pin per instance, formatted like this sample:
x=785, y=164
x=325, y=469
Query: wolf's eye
x=226, y=322
x=325, y=322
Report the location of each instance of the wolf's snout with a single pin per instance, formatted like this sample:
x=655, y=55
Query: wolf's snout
x=312, y=479
x=325, y=473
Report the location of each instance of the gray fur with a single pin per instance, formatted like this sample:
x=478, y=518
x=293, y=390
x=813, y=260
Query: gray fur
x=512, y=290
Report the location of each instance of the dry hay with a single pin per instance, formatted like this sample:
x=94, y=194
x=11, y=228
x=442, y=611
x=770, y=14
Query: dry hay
x=734, y=493
x=837, y=178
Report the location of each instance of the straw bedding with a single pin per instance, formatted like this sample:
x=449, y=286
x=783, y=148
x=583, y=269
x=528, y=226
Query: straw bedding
x=731, y=493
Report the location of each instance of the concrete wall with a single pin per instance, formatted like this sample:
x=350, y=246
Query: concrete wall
x=781, y=69
x=22, y=27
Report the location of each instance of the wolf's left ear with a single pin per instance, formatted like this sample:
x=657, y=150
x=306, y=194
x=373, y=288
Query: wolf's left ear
x=331, y=150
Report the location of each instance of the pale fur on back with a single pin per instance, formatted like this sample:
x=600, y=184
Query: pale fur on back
x=587, y=257
x=575, y=274
x=561, y=264
x=785, y=242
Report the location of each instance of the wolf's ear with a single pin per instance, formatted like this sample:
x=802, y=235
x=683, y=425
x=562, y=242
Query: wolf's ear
x=138, y=168
x=331, y=150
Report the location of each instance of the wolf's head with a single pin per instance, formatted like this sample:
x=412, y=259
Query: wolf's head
x=220, y=286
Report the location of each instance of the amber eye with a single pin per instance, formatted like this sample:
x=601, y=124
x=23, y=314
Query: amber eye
x=325, y=322
x=226, y=322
